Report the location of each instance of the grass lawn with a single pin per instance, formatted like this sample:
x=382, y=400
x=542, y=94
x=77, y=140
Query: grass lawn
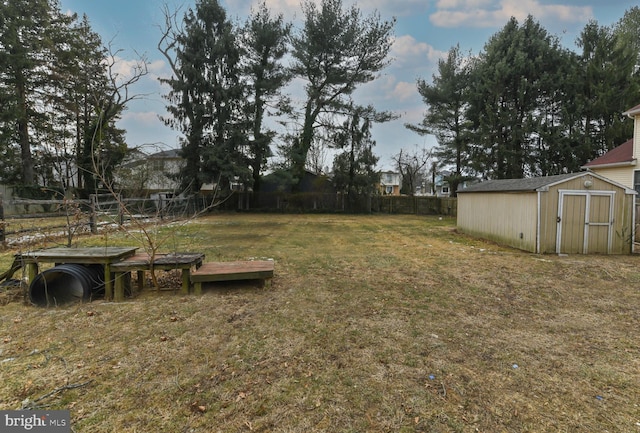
x=371, y=324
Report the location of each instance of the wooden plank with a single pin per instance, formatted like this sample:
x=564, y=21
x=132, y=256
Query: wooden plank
x=85, y=255
x=227, y=271
x=231, y=271
x=142, y=261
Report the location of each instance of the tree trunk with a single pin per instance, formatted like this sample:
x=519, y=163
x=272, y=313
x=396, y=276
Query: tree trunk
x=23, y=131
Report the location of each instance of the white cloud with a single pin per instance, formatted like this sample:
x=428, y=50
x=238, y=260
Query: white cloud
x=156, y=67
x=291, y=9
x=414, y=114
x=465, y=4
x=388, y=92
x=145, y=118
x=389, y=8
x=407, y=50
x=486, y=13
x=404, y=91
x=123, y=69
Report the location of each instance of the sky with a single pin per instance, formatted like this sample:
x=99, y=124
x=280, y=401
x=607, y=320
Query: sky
x=425, y=30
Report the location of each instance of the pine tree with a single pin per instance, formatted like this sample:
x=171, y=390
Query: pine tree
x=23, y=57
x=608, y=88
x=336, y=51
x=354, y=168
x=265, y=43
x=447, y=103
x=511, y=79
x=206, y=98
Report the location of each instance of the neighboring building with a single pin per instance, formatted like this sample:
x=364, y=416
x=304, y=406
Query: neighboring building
x=621, y=163
x=143, y=173
x=390, y=183
x=441, y=186
x=575, y=213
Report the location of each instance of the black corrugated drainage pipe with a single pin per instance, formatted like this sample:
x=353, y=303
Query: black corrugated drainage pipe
x=66, y=283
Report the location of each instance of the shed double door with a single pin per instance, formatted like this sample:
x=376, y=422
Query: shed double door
x=585, y=222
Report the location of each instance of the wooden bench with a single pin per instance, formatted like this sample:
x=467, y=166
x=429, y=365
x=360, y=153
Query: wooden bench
x=165, y=262
x=230, y=271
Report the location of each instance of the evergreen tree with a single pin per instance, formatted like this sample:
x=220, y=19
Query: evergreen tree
x=54, y=91
x=628, y=32
x=608, y=88
x=514, y=74
x=265, y=42
x=559, y=144
x=86, y=104
x=354, y=167
x=336, y=51
x=23, y=61
x=206, y=98
x=445, y=118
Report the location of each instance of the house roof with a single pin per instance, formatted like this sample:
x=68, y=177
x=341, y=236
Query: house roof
x=621, y=155
x=171, y=153
x=519, y=185
x=632, y=111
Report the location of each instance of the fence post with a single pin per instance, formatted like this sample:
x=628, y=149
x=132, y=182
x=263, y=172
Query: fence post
x=92, y=214
x=2, y=239
x=120, y=209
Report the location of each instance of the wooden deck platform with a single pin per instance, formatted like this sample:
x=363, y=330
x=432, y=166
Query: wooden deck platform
x=231, y=271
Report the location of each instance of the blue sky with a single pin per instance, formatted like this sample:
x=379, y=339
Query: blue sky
x=424, y=32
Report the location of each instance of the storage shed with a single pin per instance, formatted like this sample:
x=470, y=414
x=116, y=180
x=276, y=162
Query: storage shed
x=575, y=213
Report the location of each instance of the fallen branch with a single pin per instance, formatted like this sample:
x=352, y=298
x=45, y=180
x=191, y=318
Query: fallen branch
x=32, y=405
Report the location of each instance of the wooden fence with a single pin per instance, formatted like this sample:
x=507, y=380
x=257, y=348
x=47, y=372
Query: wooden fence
x=55, y=218
x=342, y=203
x=23, y=218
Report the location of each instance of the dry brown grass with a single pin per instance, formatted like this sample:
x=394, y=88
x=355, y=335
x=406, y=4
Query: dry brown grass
x=371, y=324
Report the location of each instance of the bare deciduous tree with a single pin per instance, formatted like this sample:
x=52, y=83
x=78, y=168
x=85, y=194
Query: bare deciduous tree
x=411, y=166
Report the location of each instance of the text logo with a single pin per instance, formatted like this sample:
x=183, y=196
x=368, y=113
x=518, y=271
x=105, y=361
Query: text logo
x=39, y=421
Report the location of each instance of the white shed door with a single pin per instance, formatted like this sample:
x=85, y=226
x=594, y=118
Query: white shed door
x=585, y=222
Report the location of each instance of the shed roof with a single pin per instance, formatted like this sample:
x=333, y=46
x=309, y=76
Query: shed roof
x=520, y=185
x=621, y=155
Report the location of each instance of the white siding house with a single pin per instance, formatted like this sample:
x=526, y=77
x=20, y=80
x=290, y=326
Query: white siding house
x=621, y=163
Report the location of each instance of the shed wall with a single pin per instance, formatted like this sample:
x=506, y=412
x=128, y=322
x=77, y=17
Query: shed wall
x=507, y=218
x=503, y=216
x=622, y=210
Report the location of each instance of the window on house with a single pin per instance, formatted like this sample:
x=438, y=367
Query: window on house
x=445, y=190
x=157, y=164
x=388, y=190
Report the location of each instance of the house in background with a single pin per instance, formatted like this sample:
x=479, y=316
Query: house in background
x=621, y=163
x=441, y=186
x=158, y=172
x=390, y=183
